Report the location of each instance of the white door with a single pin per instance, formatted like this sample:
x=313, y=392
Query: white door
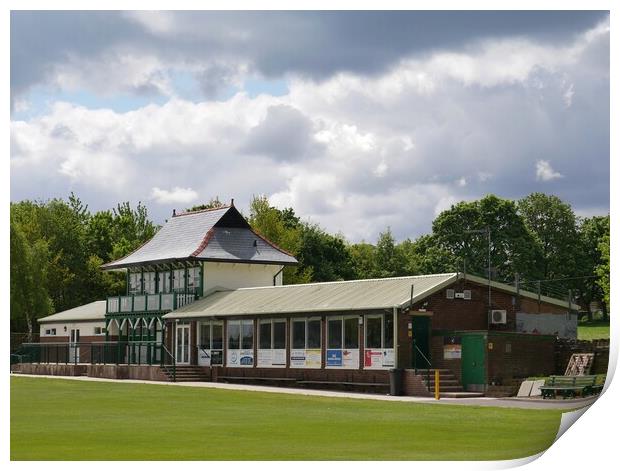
x=74, y=349
x=182, y=340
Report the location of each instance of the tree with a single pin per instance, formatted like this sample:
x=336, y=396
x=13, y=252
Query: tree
x=326, y=255
x=553, y=224
x=213, y=203
x=513, y=246
x=363, y=260
x=28, y=295
x=389, y=260
x=602, y=269
x=591, y=232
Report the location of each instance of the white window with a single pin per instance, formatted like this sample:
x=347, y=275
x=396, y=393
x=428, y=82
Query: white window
x=178, y=279
x=306, y=343
x=135, y=283
x=149, y=282
x=99, y=331
x=163, y=281
x=240, y=334
x=210, y=343
x=342, y=342
x=50, y=331
x=193, y=278
x=272, y=343
x=379, y=341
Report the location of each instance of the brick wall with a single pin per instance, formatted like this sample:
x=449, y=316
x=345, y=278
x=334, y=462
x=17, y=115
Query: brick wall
x=413, y=385
x=438, y=360
x=517, y=356
x=566, y=347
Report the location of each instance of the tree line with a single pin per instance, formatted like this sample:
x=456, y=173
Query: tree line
x=58, y=246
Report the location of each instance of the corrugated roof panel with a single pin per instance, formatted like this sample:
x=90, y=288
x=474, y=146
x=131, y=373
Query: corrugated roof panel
x=312, y=297
x=94, y=311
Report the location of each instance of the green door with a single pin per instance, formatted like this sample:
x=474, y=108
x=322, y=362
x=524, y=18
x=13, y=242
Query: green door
x=473, y=365
x=421, y=329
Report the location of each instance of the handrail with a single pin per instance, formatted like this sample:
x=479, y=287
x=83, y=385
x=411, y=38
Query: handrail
x=174, y=362
x=428, y=363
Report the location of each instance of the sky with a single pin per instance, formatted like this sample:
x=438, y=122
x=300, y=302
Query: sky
x=357, y=120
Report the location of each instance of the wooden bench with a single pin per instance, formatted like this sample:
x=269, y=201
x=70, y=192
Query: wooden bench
x=570, y=386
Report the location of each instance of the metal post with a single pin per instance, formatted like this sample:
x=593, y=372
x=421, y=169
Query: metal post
x=489, y=241
x=437, y=384
x=395, y=335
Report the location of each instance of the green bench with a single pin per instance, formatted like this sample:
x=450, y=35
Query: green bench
x=570, y=386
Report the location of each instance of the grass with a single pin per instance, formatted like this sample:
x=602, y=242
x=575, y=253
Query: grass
x=596, y=329
x=54, y=419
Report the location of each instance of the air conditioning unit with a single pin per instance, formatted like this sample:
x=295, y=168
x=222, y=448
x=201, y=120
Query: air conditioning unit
x=459, y=295
x=498, y=316
x=449, y=294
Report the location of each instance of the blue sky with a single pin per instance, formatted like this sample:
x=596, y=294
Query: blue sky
x=359, y=120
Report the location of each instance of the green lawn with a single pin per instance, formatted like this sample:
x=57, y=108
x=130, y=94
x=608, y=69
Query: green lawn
x=597, y=329
x=54, y=419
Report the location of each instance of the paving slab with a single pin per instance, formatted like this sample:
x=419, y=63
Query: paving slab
x=525, y=389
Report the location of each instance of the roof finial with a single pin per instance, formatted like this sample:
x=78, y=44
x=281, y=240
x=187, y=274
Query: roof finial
x=174, y=212
x=232, y=202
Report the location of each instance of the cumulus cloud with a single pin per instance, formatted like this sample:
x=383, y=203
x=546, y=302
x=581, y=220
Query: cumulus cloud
x=545, y=173
x=176, y=195
x=355, y=151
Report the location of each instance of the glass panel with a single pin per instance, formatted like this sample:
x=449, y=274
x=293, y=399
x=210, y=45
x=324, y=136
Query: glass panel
x=334, y=333
x=247, y=332
x=164, y=281
x=265, y=335
x=149, y=282
x=373, y=332
x=179, y=341
x=299, y=334
x=314, y=334
x=185, y=344
x=388, y=331
x=134, y=283
x=216, y=338
x=351, y=333
x=178, y=281
x=279, y=335
x=234, y=328
x=205, y=336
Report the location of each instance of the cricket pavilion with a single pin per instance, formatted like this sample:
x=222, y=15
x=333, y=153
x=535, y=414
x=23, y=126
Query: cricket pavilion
x=205, y=301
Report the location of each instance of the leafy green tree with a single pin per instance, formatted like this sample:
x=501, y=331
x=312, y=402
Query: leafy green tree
x=591, y=232
x=213, y=203
x=28, y=295
x=554, y=226
x=431, y=257
x=390, y=260
x=602, y=269
x=514, y=248
x=325, y=254
x=363, y=260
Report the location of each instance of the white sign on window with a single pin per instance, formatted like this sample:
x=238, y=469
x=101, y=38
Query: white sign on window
x=308, y=358
x=271, y=357
x=240, y=358
x=379, y=358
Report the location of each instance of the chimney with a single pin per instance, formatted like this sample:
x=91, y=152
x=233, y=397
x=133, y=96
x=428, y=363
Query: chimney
x=174, y=212
x=232, y=202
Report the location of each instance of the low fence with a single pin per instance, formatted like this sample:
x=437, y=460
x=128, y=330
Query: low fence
x=117, y=353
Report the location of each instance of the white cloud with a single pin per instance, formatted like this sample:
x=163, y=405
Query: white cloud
x=393, y=149
x=544, y=171
x=176, y=195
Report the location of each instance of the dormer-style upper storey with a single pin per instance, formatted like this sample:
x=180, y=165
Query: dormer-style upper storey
x=215, y=235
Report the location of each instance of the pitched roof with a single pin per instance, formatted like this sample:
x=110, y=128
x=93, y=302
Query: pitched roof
x=94, y=311
x=336, y=296
x=379, y=293
x=220, y=234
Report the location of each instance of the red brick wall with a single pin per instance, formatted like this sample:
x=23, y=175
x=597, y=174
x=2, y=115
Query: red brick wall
x=460, y=314
x=413, y=385
x=529, y=355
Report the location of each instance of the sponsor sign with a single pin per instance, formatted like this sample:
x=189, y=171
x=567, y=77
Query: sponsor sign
x=379, y=358
x=240, y=358
x=269, y=357
x=334, y=357
x=310, y=358
x=452, y=352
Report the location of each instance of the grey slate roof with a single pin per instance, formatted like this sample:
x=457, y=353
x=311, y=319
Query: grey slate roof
x=206, y=235
x=316, y=297
x=94, y=311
